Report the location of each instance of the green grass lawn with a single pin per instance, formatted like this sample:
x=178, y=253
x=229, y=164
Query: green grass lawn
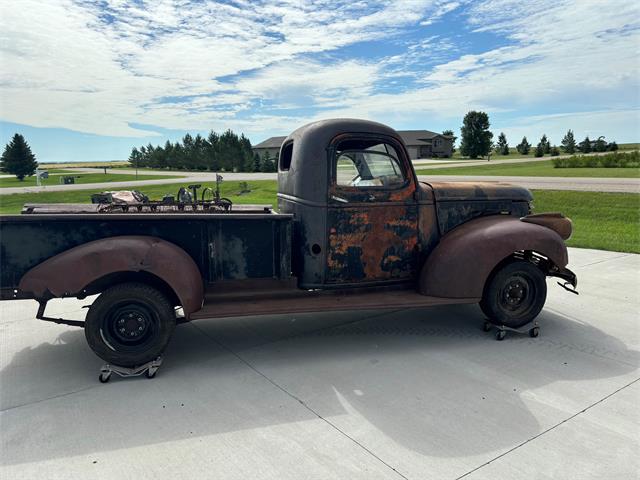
x=607, y=221
x=262, y=191
x=513, y=153
x=604, y=221
x=54, y=178
x=533, y=169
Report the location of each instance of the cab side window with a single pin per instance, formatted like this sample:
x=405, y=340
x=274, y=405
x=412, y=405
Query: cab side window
x=368, y=163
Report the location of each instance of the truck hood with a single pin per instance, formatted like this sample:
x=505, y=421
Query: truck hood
x=480, y=191
x=459, y=202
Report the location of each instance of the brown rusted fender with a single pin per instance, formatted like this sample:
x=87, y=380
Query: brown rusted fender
x=463, y=260
x=68, y=273
x=555, y=221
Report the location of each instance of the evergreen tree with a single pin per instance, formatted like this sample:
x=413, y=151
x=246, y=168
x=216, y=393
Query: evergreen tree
x=539, y=150
x=267, y=164
x=546, y=145
x=613, y=146
x=18, y=159
x=585, y=145
x=524, y=147
x=188, y=158
x=569, y=143
x=502, y=146
x=256, y=163
x=247, y=154
x=134, y=157
x=476, y=137
x=555, y=151
x=601, y=145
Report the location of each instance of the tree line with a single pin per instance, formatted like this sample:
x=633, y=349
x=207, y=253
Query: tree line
x=477, y=141
x=568, y=145
x=217, y=152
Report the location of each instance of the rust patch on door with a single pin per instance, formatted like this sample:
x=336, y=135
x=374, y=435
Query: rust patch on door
x=378, y=243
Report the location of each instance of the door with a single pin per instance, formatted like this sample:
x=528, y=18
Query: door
x=372, y=216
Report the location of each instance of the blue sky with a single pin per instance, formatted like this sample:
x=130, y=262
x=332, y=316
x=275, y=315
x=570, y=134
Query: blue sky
x=86, y=80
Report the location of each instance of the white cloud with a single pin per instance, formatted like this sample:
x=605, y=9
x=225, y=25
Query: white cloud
x=256, y=65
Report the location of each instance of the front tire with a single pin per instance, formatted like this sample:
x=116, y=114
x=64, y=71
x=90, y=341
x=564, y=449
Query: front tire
x=129, y=324
x=515, y=294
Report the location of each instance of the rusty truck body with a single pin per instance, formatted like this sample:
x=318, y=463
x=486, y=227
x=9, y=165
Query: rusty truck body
x=354, y=229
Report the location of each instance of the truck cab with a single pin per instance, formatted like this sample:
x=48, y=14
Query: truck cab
x=361, y=217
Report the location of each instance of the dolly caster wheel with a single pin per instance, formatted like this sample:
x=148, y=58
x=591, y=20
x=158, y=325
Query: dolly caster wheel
x=104, y=377
x=151, y=374
x=534, y=332
x=486, y=327
x=500, y=334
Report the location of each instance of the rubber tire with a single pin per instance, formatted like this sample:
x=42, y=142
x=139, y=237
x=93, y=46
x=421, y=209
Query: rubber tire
x=490, y=304
x=154, y=300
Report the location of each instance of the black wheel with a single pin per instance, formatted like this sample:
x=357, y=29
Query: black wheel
x=534, y=332
x=104, y=377
x=515, y=294
x=129, y=324
x=500, y=334
x=486, y=326
x=151, y=375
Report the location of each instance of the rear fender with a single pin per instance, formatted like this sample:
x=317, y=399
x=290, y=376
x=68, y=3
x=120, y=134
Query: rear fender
x=70, y=272
x=465, y=257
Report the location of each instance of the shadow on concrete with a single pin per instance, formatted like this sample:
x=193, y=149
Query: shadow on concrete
x=429, y=381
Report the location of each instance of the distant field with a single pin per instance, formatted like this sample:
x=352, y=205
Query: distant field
x=115, y=163
x=629, y=146
x=533, y=169
x=54, y=179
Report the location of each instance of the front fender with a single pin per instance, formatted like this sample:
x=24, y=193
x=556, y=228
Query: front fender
x=69, y=272
x=465, y=257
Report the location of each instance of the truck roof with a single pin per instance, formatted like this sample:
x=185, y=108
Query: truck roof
x=308, y=174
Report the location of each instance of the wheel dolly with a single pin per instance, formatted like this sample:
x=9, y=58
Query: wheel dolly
x=532, y=330
x=150, y=368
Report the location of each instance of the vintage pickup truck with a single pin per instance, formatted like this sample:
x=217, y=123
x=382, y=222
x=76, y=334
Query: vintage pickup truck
x=354, y=229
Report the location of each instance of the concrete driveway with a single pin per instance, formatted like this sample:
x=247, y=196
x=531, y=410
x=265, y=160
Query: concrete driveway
x=404, y=394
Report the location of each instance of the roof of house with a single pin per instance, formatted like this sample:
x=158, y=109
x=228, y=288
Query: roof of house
x=410, y=137
x=419, y=137
x=273, y=142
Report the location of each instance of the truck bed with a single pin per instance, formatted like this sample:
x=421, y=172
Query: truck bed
x=224, y=246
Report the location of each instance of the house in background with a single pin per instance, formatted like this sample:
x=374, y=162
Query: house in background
x=420, y=144
x=426, y=144
x=271, y=145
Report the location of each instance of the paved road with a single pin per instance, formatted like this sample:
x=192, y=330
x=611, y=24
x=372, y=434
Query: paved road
x=631, y=185
x=543, y=183
x=410, y=394
x=435, y=163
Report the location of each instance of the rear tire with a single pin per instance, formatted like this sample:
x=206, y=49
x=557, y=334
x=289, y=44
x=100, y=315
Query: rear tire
x=129, y=324
x=515, y=294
